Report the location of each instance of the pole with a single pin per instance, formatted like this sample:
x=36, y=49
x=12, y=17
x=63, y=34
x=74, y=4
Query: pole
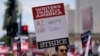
x=19, y=25
x=48, y=51
x=20, y=17
x=19, y=32
x=87, y=46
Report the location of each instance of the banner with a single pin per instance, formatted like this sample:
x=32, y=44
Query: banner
x=87, y=19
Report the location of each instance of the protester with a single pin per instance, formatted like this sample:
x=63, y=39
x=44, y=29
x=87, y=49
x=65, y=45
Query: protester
x=61, y=50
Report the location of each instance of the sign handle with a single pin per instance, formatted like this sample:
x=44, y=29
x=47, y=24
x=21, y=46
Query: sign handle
x=87, y=46
x=48, y=51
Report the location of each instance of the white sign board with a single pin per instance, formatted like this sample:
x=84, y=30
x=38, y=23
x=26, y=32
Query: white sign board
x=50, y=24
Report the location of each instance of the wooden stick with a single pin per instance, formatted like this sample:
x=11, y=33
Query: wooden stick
x=48, y=51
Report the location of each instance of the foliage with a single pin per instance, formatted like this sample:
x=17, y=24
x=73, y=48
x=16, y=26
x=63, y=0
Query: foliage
x=5, y=39
x=11, y=11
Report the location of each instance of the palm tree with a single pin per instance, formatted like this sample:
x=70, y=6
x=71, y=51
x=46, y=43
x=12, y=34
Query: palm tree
x=5, y=39
x=10, y=15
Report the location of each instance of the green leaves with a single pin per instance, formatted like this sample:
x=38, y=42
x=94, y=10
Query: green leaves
x=11, y=11
x=5, y=39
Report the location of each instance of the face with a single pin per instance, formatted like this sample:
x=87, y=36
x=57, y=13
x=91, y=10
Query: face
x=62, y=51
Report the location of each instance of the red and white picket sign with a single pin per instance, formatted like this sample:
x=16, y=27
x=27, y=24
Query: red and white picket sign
x=3, y=49
x=15, y=46
x=87, y=47
x=38, y=51
x=86, y=43
x=24, y=46
x=50, y=24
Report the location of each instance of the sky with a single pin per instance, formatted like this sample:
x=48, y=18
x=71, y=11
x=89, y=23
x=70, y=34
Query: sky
x=27, y=18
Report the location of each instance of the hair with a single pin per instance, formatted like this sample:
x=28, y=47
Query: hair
x=56, y=47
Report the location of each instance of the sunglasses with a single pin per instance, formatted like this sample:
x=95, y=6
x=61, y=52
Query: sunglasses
x=62, y=50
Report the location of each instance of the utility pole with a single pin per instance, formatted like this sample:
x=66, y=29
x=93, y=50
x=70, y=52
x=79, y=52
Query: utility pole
x=19, y=28
x=20, y=17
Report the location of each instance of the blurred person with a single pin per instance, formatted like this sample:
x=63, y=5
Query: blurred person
x=24, y=54
x=61, y=50
x=72, y=51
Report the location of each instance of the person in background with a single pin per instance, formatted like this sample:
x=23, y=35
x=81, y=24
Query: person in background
x=61, y=50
